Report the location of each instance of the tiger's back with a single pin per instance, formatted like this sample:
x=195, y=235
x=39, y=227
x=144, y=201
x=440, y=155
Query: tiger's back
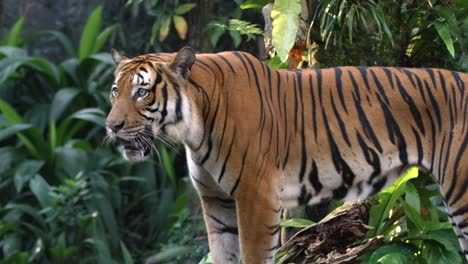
x=258, y=139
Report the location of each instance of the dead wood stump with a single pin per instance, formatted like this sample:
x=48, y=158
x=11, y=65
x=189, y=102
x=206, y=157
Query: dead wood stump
x=332, y=239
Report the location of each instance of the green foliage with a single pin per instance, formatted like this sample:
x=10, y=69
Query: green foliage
x=66, y=196
x=296, y=222
x=285, y=20
x=243, y=27
x=415, y=229
x=164, y=13
x=339, y=20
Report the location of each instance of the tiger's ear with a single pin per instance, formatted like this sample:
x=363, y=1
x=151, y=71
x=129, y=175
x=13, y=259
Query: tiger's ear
x=182, y=62
x=117, y=56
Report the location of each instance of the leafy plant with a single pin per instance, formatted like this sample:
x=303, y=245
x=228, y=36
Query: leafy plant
x=65, y=196
x=414, y=228
x=165, y=13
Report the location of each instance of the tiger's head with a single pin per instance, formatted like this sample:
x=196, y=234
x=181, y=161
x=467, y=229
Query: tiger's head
x=146, y=100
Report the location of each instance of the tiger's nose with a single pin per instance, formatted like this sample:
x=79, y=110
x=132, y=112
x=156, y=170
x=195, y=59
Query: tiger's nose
x=115, y=126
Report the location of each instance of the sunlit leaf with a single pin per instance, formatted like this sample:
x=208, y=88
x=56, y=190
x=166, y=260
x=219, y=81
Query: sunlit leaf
x=14, y=37
x=444, y=33
x=90, y=34
x=181, y=26
x=102, y=38
x=285, y=16
x=296, y=222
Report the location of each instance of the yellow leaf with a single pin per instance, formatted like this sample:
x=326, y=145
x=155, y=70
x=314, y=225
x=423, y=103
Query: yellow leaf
x=181, y=26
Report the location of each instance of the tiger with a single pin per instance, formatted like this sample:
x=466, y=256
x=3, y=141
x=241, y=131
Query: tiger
x=258, y=140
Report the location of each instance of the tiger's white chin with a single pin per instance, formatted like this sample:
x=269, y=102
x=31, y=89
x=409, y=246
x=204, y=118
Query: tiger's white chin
x=135, y=155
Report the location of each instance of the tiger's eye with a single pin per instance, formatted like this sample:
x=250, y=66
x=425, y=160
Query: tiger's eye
x=142, y=92
x=115, y=91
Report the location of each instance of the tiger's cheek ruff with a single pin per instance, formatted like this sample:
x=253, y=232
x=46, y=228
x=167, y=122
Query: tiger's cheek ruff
x=257, y=140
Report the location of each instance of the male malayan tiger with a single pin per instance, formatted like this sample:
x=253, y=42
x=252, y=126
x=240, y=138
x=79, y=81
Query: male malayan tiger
x=258, y=139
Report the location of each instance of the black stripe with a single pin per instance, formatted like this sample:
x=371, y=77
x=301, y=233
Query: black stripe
x=228, y=63
x=236, y=184
x=380, y=87
x=442, y=84
x=303, y=140
x=434, y=104
x=164, y=107
x=227, y=157
x=340, y=121
x=340, y=165
x=146, y=117
x=224, y=227
x=304, y=196
x=314, y=179
x=319, y=84
x=462, y=210
x=339, y=87
x=454, y=180
x=314, y=107
x=413, y=108
x=389, y=74
x=368, y=131
x=371, y=157
x=210, y=130
x=198, y=181
x=394, y=132
x=418, y=145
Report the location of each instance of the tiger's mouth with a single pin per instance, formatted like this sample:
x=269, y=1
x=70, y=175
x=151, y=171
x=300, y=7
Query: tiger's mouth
x=136, y=150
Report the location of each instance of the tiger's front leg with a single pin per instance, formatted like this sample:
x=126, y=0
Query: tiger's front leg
x=258, y=209
x=221, y=223
x=219, y=213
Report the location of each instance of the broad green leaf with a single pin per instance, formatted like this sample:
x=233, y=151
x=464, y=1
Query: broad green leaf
x=90, y=34
x=394, y=258
x=45, y=67
x=236, y=38
x=62, y=39
x=379, y=254
x=30, y=211
x=13, y=52
x=61, y=101
x=126, y=254
x=184, y=8
x=255, y=4
x=102, y=38
x=387, y=200
x=41, y=189
x=31, y=138
x=26, y=171
x=16, y=258
x=414, y=217
x=94, y=115
x=285, y=16
x=169, y=253
x=167, y=165
x=444, y=33
x=164, y=30
x=298, y=223
x=181, y=26
x=9, y=131
x=444, y=237
x=14, y=37
x=435, y=252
